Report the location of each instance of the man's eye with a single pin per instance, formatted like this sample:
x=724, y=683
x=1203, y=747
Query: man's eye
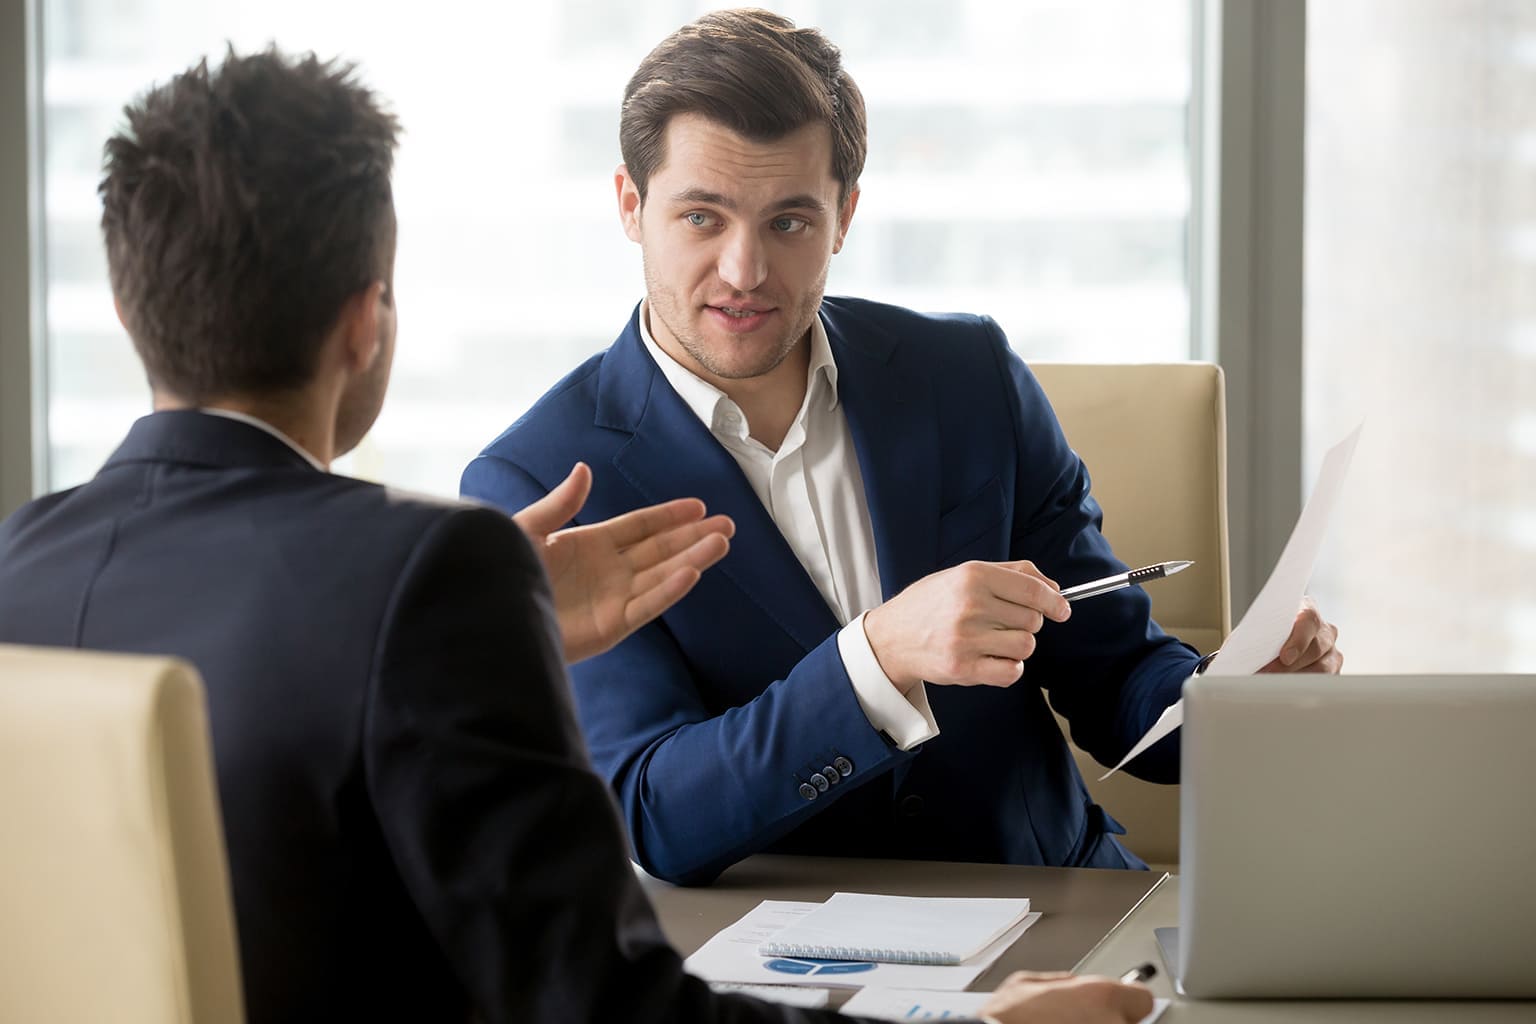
x=789, y=224
x=698, y=220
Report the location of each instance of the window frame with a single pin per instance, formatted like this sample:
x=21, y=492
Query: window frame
x=22, y=368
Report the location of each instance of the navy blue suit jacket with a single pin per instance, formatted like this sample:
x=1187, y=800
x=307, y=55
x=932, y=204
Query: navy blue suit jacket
x=414, y=831
x=710, y=721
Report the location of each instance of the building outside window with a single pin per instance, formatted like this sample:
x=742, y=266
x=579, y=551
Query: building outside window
x=1420, y=317
x=1029, y=160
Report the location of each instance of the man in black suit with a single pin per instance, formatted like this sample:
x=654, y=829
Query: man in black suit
x=414, y=830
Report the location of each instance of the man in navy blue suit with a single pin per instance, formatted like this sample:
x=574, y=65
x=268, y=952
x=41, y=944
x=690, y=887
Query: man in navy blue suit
x=414, y=830
x=852, y=678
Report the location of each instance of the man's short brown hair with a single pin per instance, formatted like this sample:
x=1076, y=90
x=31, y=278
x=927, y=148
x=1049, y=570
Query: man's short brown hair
x=753, y=72
x=241, y=208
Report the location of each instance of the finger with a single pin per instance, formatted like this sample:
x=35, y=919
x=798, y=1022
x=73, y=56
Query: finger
x=1329, y=662
x=1021, y=584
x=989, y=671
x=1303, y=631
x=648, y=604
x=998, y=614
x=699, y=555
x=559, y=506
x=1029, y=568
x=1018, y=977
x=1315, y=651
x=1134, y=1002
x=1012, y=644
x=658, y=548
x=636, y=527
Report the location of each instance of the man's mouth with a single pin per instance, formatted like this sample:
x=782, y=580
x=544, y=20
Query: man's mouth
x=740, y=312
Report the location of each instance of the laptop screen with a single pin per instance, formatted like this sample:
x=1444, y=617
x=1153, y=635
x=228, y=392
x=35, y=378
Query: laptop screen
x=1349, y=836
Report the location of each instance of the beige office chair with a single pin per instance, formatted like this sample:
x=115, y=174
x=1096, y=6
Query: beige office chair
x=114, y=893
x=1154, y=438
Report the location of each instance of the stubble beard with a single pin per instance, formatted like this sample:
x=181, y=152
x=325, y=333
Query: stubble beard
x=680, y=318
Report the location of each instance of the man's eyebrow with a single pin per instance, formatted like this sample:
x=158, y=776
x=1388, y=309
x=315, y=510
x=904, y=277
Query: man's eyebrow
x=800, y=202
x=704, y=197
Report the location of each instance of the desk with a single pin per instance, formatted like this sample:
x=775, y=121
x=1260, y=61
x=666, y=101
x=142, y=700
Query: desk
x=1079, y=904
x=1096, y=922
x=1132, y=942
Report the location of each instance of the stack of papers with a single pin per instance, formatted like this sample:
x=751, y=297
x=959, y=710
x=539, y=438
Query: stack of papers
x=889, y=1004
x=735, y=954
x=784, y=995
x=897, y=929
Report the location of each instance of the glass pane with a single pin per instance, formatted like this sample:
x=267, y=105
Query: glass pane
x=1421, y=316
x=1028, y=160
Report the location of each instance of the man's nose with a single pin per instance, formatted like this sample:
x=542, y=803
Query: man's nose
x=743, y=261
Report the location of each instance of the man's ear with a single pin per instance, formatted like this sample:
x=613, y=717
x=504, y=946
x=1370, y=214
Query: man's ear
x=845, y=217
x=361, y=339
x=629, y=202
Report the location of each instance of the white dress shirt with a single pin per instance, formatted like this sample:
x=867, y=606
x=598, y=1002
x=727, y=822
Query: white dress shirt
x=814, y=491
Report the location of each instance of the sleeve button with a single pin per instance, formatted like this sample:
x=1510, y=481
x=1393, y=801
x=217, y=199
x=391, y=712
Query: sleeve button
x=808, y=791
x=820, y=782
x=832, y=775
x=844, y=766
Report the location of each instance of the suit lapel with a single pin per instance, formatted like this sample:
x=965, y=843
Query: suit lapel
x=671, y=454
x=891, y=418
x=890, y=412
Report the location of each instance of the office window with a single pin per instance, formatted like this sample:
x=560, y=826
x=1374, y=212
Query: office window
x=1421, y=317
x=1027, y=159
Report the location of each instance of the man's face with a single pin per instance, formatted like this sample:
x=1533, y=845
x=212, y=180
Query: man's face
x=736, y=237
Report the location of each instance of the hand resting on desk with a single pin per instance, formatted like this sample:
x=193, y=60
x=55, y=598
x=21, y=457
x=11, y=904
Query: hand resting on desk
x=1027, y=997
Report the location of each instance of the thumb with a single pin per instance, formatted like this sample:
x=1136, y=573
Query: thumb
x=558, y=507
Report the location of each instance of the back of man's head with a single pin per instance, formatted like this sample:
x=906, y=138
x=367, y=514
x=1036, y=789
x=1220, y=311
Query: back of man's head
x=753, y=72
x=242, y=207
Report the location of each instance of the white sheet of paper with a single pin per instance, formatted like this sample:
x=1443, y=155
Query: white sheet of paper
x=1171, y=718
x=1256, y=640
x=732, y=956
x=786, y=995
x=912, y=1004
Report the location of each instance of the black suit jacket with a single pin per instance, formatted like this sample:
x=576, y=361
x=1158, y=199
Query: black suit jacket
x=414, y=830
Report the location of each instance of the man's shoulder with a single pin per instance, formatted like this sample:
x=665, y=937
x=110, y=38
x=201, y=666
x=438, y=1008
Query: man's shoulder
x=853, y=315
x=382, y=509
x=382, y=535
x=562, y=425
x=952, y=350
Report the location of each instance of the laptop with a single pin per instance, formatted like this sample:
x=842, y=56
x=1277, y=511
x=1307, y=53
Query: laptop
x=1358, y=836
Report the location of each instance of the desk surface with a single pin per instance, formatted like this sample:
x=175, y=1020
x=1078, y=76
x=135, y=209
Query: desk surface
x=1078, y=905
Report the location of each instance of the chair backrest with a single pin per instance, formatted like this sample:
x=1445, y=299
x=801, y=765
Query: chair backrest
x=114, y=891
x=1154, y=438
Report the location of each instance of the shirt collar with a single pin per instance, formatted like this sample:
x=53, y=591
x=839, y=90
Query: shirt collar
x=709, y=403
x=263, y=425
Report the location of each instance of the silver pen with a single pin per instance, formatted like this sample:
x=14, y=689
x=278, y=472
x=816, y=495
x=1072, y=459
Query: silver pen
x=1124, y=579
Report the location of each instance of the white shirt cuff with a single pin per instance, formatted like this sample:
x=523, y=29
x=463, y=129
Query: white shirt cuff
x=906, y=719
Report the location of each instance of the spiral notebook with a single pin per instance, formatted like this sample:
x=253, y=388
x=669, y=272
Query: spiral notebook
x=897, y=929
